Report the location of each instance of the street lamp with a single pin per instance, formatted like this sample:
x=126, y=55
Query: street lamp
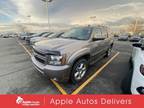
x=29, y=21
x=47, y=2
x=135, y=25
x=29, y=18
x=93, y=19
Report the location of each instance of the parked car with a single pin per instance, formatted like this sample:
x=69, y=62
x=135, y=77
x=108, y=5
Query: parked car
x=134, y=39
x=116, y=35
x=134, y=81
x=5, y=35
x=68, y=57
x=36, y=39
x=35, y=35
x=23, y=36
x=123, y=38
x=142, y=36
x=13, y=35
x=45, y=37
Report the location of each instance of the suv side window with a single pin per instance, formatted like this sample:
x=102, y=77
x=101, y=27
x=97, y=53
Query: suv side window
x=104, y=33
x=97, y=33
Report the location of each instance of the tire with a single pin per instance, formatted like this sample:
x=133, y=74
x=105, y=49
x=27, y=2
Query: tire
x=108, y=53
x=130, y=62
x=79, y=70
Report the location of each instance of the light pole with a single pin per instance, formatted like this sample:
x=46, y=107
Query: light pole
x=47, y=3
x=29, y=21
x=135, y=25
x=29, y=18
x=93, y=19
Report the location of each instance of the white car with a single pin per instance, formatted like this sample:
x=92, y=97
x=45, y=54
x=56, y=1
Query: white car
x=134, y=82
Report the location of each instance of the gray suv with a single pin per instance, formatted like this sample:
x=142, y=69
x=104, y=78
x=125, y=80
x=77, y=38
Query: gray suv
x=68, y=57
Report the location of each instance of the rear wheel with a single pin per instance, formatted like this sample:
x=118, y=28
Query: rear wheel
x=108, y=53
x=79, y=70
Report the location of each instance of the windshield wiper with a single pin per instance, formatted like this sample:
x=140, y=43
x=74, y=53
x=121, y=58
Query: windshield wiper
x=71, y=38
x=63, y=37
x=75, y=38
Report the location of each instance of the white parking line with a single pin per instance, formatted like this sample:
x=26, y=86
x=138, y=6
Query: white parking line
x=24, y=48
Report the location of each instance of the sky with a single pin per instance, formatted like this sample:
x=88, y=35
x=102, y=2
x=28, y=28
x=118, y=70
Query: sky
x=70, y=11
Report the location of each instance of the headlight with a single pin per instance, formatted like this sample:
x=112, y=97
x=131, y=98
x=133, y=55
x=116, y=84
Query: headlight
x=57, y=60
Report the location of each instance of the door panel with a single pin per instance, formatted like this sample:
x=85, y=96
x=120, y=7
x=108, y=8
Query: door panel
x=96, y=46
x=99, y=47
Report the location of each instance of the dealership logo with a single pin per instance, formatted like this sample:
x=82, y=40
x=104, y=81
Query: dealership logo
x=21, y=101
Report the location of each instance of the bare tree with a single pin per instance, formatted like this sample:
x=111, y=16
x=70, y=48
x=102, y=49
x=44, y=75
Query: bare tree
x=136, y=26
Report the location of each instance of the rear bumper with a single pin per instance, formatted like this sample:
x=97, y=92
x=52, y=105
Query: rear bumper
x=59, y=73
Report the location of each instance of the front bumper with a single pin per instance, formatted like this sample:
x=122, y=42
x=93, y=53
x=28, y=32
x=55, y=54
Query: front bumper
x=59, y=73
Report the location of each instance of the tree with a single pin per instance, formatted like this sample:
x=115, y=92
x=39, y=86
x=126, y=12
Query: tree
x=136, y=26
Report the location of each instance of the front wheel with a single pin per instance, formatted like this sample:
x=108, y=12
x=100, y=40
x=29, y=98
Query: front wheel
x=79, y=70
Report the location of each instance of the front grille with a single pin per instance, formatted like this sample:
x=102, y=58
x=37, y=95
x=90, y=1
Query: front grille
x=40, y=60
x=43, y=57
x=40, y=57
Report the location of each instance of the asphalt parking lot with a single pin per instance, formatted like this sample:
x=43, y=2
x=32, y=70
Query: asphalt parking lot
x=18, y=76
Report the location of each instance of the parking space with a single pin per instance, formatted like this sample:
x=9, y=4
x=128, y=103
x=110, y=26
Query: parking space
x=18, y=76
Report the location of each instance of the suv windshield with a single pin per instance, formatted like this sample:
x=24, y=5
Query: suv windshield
x=46, y=34
x=52, y=35
x=78, y=33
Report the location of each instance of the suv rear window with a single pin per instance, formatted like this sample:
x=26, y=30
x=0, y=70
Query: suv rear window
x=104, y=33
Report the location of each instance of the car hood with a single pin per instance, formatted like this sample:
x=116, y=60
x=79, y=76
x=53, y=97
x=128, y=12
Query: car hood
x=59, y=44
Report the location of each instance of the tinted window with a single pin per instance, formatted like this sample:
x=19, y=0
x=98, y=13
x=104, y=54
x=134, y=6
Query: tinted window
x=52, y=35
x=97, y=33
x=104, y=33
x=45, y=34
x=39, y=34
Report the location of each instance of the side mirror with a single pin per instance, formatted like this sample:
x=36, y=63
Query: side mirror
x=137, y=45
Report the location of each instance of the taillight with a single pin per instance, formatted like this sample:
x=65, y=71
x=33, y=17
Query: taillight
x=142, y=69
